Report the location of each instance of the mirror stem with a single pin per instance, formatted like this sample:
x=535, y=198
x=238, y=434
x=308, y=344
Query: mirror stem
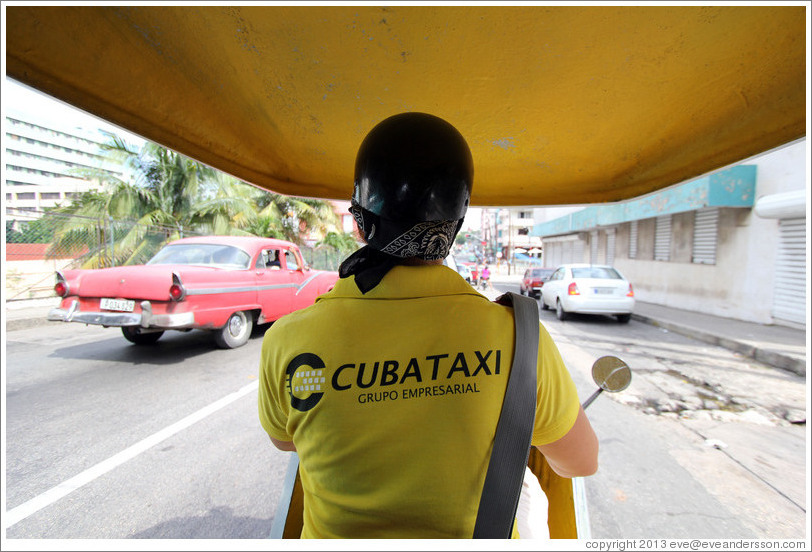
x=592, y=398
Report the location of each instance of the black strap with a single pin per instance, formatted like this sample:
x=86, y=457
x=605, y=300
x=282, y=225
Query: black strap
x=511, y=445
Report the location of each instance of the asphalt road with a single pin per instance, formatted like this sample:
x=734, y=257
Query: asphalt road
x=106, y=440
x=699, y=446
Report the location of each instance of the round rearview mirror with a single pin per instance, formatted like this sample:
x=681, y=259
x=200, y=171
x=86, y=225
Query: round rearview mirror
x=611, y=374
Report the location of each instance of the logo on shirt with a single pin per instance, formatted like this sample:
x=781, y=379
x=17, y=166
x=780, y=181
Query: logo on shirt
x=382, y=380
x=308, y=381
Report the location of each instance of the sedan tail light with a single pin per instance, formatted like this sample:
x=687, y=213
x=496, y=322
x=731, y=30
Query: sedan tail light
x=630, y=293
x=176, y=291
x=62, y=289
x=573, y=289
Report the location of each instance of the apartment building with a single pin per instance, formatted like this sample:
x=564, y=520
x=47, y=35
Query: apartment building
x=42, y=161
x=506, y=232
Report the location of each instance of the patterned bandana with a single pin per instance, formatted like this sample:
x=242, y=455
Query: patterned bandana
x=389, y=241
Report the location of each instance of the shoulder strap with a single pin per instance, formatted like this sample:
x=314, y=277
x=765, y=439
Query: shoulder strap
x=511, y=445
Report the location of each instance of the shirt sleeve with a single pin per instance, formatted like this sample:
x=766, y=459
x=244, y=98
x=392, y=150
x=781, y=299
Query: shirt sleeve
x=557, y=402
x=274, y=405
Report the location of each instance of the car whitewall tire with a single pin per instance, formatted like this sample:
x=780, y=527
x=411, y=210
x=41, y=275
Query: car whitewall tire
x=236, y=331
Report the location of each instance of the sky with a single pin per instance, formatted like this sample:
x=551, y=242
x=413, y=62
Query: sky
x=17, y=97
x=20, y=98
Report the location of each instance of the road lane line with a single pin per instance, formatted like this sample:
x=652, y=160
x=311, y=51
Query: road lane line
x=15, y=515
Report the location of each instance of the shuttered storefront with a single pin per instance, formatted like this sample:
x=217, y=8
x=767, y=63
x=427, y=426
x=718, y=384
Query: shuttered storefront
x=593, y=248
x=789, y=303
x=560, y=250
x=610, y=247
x=706, y=225
x=662, y=238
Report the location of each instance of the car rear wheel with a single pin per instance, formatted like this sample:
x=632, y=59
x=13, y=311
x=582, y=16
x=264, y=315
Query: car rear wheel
x=560, y=313
x=236, y=331
x=133, y=334
x=623, y=318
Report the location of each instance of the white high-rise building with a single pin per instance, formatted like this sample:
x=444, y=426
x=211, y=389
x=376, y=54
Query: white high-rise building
x=41, y=164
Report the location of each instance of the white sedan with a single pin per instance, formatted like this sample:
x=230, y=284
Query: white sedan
x=588, y=289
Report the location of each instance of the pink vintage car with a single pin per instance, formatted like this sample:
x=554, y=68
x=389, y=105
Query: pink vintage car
x=225, y=284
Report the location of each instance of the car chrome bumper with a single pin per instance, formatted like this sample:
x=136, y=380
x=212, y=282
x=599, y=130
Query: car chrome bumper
x=145, y=319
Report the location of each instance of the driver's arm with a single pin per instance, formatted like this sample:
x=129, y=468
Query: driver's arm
x=576, y=453
x=283, y=445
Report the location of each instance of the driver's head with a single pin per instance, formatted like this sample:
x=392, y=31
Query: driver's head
x=413, y=179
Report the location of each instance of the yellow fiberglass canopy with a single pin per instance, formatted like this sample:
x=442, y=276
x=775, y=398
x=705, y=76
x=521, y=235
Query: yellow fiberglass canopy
x=559, y=104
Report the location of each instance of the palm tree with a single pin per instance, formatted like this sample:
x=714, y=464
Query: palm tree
x=156, y=188
x=246, y=208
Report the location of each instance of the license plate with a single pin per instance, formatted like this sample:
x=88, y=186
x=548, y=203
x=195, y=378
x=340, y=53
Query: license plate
x=124, y=305
x=605, y=291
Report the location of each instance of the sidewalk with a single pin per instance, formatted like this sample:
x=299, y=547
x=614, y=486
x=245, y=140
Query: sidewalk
x=777, y=346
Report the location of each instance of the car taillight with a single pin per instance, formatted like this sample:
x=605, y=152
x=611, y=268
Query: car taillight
x=176, y=292
x=630, y=293
x=573, y=289
x=61, y=289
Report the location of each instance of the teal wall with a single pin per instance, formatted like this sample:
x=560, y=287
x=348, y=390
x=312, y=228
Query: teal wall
x=733, y=187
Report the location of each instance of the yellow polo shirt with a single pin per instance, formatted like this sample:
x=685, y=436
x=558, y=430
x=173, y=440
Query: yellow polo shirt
x=392, y=400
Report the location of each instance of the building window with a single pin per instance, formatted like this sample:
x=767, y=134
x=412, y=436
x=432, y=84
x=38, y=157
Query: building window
x=633, y=239
x=706, y=224
x=49, y=195
x=25, y=195
x=662, y=238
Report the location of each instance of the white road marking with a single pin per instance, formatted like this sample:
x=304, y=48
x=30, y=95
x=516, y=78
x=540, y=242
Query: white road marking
x=15, y=515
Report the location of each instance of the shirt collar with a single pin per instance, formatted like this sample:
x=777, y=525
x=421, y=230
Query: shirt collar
x=408, y=282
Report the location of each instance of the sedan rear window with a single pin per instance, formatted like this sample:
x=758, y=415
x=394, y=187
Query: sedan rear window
x=202, y=254
x=541, y=273
x=604, y=273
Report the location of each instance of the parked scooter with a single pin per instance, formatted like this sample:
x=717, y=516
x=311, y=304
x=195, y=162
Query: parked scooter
x=567, y=516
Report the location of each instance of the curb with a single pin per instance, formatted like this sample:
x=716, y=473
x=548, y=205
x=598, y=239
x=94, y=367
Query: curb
x=26, y=323
x=772, y=358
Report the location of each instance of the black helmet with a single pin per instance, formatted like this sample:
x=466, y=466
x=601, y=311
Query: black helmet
x=414, y=167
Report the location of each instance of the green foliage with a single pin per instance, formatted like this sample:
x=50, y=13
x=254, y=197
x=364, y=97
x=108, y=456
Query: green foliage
x=157, y=195
x=340, y=241
x=35, y=231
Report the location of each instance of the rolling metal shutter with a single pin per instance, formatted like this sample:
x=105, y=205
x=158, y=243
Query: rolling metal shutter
x=593, y=247
x=789, y=302
x=633, y=240
x=662, y=238
x=706, y=224
x=610, y=247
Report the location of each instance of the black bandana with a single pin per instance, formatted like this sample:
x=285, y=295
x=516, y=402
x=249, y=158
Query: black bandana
x=391, y=242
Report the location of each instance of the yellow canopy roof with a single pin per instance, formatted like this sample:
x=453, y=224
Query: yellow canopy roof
x=560, y=105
